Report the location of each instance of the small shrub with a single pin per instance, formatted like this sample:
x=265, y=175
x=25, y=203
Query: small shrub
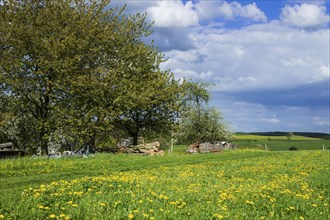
x=293, y=148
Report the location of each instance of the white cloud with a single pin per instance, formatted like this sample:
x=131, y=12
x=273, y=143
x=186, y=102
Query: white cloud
x=249, y=78
x=324, y=71
x=304, y=15
x=269, y=56
x=293, y=62
x=321, y=121
x=208, y=10
x=273, y=120
x=173, y=14
x=246, y=116
x=190, y=74
x=271, y=61
x=250, y=11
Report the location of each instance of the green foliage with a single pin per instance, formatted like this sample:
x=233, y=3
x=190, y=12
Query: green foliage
x=289, y=135
x=204, y=126
x=81, y=69
x=201, y=123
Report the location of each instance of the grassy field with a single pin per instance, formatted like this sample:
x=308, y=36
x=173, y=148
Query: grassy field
x=280, y=143
x=240, y=184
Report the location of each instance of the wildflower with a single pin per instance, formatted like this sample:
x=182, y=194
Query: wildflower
x=2, y=216
x=218, y=216
x=62, y=215
x=291, y=207
x=136, y=211
x=131, y=216
x=102, y=204
x=52, y=216
x=40, y=206
x=70, y=202
x=314, y=205
x=74, y=205
x=249, y=202
x=301, y=218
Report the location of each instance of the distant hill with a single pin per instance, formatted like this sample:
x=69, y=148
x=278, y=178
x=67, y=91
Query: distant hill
x=281, y=133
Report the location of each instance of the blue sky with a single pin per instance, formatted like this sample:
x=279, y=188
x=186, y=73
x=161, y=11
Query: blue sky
x=268, y=61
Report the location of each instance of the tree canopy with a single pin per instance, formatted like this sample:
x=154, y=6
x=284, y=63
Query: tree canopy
x=201, y=123
x=80, y=67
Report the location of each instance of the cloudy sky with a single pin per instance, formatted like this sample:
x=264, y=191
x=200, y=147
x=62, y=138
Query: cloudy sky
x=267, y=61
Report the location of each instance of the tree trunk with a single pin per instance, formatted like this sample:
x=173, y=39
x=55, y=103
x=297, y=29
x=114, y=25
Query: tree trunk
x=43, y=142
x=135, y=138
x=44, y=146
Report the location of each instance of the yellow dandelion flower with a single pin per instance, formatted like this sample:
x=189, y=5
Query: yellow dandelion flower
x=62, y=215
x=291, y=207
x=40, y=206
x=70, y=202
x=314, y=205
x=131, y=216
x=219, y=216
x=136, y=211
x=2, y=216
x=145, y=215
x=67, y=217
x=74, y=205
x=301, y=218
x=52, y=216
x=102, y=204
x=152, y=218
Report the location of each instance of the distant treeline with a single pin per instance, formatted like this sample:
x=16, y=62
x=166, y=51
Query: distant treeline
x=281, y=133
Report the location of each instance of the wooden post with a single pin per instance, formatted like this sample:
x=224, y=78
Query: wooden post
x=323, y=147
x=172, y=142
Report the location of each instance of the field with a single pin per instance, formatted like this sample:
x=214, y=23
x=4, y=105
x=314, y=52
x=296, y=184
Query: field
x=240, y=184
x=280, y=143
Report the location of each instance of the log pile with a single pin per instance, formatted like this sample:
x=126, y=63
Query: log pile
x=210, y=147
x=150, y=149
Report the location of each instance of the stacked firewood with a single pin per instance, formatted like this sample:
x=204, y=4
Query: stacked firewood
x=210, y=147
x=150, y=149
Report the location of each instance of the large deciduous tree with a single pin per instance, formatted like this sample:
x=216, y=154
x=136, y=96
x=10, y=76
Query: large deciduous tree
x=82, y=67
x=61, y=59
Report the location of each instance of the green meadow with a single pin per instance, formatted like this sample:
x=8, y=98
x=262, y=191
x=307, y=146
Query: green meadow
x=280, y=143
x=238, y=184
